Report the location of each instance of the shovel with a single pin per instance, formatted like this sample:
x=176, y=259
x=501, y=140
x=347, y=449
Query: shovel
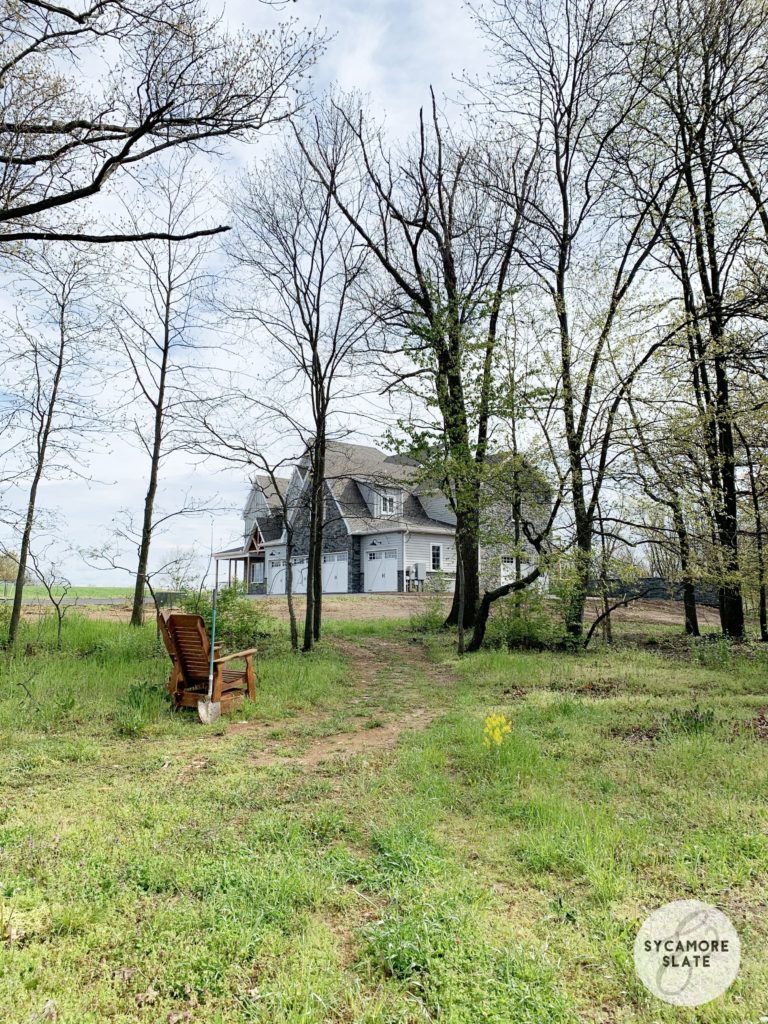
x=210, y=710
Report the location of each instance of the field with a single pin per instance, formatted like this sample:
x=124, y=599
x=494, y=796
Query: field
x=347, y=849
x=37, y=592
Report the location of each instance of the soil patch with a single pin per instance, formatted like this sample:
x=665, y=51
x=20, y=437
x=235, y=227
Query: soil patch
x=377, y=665
x=637, y=733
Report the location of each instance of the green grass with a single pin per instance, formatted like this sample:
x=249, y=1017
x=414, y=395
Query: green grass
x=152, y=870
x=34, y=590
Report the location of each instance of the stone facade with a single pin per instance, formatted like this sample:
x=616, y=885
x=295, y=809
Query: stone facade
x=355, y=567
x=335, y=538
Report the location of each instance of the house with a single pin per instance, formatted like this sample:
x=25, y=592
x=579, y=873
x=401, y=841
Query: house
x=385, y=529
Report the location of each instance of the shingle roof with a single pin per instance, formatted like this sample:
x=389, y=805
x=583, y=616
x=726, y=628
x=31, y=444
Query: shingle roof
x=272, y=496
x=271, y=527
x=231, y=552
x=348, y=465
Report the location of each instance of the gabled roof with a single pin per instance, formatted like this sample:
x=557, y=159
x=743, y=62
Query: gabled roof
x=270, y=527
x=271, y=494
x=347, y=466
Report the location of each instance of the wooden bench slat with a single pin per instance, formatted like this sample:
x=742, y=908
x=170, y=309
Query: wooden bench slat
x=188, y=645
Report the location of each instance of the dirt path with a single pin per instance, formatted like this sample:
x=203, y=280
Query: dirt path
x=389, y=677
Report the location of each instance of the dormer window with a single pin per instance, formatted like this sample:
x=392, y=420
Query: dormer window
x=391, y=503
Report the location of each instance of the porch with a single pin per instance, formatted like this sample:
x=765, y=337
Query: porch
x=241, y=565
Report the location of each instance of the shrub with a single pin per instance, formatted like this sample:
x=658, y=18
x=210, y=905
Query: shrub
x=240, y=623
x=522, y=620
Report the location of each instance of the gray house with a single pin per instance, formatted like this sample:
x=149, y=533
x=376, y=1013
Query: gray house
x=385, y=530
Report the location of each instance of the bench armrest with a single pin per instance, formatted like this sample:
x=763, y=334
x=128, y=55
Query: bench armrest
x=239, y=654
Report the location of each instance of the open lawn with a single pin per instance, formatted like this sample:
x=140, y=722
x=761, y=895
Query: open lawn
x=347, y=849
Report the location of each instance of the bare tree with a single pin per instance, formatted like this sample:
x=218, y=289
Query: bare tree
x=57, y=587
x=170, y=76
x=299, y=269
x=158, y=324
x=705, y=107
x=757, y=489
x=659, y=450
x=52, y=361
x=226, y=437
x=114, y=555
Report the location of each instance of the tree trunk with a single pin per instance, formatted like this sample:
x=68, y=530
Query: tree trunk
x=466, y=599
x=317, y=571
x=731, y=600
x=577, y=598
x=689, y=590
x=460, y=588
x=759, y=545
x=137, y=612
x=309, y=614
x=289, y=583
x=484, y=608
x=43, y=435
x=21, y=574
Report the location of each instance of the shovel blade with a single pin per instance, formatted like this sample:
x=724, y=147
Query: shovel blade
x=208, y=711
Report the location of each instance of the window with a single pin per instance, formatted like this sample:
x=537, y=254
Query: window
x=437, y=557
x=388, y=504
x=336, y=556
x=257, y=572
x=372, y=555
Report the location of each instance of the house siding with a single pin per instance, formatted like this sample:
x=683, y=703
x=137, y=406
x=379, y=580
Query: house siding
x=335, y=538
x=384, y=540
x=419, y=549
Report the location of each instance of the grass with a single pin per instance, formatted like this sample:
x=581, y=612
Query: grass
x=153, y=871
x=33, y=591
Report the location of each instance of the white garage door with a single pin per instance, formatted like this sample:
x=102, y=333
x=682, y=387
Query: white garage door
x=381, y=570
x=277, y=575
x=335, y=575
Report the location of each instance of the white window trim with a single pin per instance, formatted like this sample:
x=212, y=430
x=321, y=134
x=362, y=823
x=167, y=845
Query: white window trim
x=396, y=497
x=432, y=557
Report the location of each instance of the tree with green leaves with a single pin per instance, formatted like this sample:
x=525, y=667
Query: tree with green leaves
x=561, y=82
x=438, y=219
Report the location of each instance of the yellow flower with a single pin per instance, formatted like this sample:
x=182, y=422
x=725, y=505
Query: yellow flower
x=496, y=728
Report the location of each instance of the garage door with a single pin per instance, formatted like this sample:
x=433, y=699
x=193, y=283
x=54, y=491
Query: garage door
x=277, y=576
x=381, y=570
x=335, y=575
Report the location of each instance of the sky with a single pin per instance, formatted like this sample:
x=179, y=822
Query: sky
x=393, y=50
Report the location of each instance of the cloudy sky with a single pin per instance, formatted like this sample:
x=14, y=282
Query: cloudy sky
x=391, y=49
